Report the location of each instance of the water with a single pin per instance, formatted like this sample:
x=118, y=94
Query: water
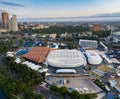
x=2, y=95
x=70, y=19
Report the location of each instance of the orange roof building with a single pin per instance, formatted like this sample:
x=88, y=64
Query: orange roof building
x=38, y=54
x=96, y=27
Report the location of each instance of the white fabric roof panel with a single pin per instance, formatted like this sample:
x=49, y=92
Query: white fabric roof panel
x=65, y=71
x=93, y=57
x=66, y=58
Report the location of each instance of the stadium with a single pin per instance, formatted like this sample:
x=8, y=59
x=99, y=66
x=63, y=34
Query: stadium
x=65, y=59
x=93, y=58
x=37, y=54
x=115, y=37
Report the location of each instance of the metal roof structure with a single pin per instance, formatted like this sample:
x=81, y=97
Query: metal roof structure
x=93, y=57
x=116, y=33
x=66, y=71
x=66, y=58
x=37, y=54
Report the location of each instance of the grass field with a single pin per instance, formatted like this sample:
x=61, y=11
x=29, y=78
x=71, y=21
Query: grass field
x=105, y=69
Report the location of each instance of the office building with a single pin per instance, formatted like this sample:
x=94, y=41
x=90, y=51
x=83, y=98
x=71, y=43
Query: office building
x=5, y=20
x=88, y=43
x=13, y=23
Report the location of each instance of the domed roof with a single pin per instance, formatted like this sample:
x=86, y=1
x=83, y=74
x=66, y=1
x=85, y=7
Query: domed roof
x=116, y=33
x=65, y=58
x=93, y=58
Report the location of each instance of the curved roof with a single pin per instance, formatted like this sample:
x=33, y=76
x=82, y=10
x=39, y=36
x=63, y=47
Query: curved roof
x=116, y=33
x=93, y=58
x=65, y=71
x=37, y=54
x=65, y=58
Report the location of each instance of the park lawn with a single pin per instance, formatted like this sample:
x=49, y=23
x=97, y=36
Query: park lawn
x=105, y=69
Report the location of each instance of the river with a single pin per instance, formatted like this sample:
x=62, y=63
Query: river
x=2, y=95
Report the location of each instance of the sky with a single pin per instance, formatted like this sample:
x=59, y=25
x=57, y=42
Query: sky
x=60, y=8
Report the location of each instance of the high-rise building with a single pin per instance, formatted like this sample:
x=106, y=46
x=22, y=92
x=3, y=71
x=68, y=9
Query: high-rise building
x=0, y=23
x=96, y=27
x=5, y=20
x=13, y=24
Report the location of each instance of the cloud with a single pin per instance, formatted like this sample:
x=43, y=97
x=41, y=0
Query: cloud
x=1, y=10
x=12, y=4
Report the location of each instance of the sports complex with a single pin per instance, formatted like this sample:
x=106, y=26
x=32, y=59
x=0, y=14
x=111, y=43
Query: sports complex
x=66, y=59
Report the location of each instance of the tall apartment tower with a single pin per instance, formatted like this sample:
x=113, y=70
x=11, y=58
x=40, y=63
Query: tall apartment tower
x=13, y=24
x=5, y=20
x=96, y=27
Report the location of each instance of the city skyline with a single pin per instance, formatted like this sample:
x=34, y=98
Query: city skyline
x=7, y=23
x=61, y=8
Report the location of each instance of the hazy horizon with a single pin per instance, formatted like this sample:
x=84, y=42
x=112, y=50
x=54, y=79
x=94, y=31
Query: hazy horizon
x=70, y=19
x=59, y=8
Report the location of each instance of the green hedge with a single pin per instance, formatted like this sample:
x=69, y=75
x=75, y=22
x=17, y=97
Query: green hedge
x=74, y=94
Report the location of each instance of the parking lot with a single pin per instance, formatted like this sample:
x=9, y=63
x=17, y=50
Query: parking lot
x=78, y=83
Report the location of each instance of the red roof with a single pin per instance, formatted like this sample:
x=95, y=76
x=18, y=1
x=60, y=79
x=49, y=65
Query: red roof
x=38, y=54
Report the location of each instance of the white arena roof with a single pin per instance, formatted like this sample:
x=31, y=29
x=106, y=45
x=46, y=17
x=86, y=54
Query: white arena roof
x=117, y=33
x=66, y=58
x=93, y=57
x=66, y=71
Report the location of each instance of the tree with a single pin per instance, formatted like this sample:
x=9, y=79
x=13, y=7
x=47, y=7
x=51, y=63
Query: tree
x=53, y=88
x=81, y=96
x=63, y=90
x=29, y=76
x=89, y=96
x=38, y=96
x=89, y=68
x=43, y=74
x=74, y=94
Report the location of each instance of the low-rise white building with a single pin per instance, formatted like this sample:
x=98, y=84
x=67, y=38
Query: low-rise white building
x=93, y=58
x=88, y=43
x=53, y=36
x=115, y=37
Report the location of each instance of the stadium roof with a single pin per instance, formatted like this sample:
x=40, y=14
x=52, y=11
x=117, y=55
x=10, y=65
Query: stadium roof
x=116, y=33
x=37, y=54
x=65, y=71
x=93, y=57
x=66, y=58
